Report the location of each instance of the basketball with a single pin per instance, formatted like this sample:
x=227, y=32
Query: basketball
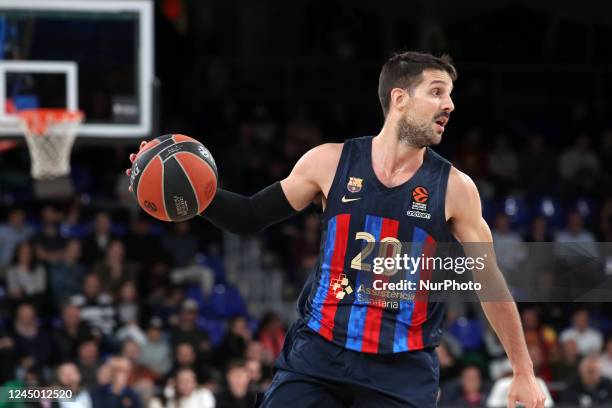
x=174, y=177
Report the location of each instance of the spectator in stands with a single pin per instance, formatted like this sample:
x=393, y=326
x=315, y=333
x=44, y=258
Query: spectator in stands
x=579, y=166
x=26, y=279
x=589, y=340
x=181, y=244
x=188, y=394
x=565, y=367
x=142, y=246
x=66, y=276
x=503, y=165
x=256, y=375
x=606, y=360
x=235, y=341
x=186, y=330
x=467, y=391
x=88, y=362
x=128, y=314
x=96, y=307
x=576, y=233
x=114, y=269
x=538, y=166
x=468, y=332
x=69, y=378
x=236, y=393
x=95, y=245
x=70, y=334
x=166, y=301
x=538, y=231
x=256, y=351
x=538, y=270
x=271, y=333
x=117, y=393
x=509, y=246
x=48, y=243
x=185, y=357
x=590, y=389
x=131, y=351
x=539, y=335
x=156, y=353
x=12, y=234
x=128, y=309
x=32, y=345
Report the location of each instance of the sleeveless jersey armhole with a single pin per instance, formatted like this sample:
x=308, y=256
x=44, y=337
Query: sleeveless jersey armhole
x=444, y=176
x=443, y=186
x=333, y=190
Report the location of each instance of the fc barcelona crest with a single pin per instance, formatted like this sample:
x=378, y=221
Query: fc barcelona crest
x=354, y=184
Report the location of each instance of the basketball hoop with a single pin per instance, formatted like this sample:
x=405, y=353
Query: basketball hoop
x=50, y=135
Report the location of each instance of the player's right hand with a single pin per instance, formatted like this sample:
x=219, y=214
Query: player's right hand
x=132, y=158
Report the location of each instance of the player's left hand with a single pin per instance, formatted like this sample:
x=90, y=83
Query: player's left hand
x=526, y=390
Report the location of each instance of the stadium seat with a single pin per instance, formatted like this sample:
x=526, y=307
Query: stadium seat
x=225, y=301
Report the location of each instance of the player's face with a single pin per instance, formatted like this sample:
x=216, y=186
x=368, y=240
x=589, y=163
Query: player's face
x=427, y=111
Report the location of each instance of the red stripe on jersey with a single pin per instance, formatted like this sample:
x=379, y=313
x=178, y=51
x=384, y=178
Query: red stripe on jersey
x=419, y=314
x=371, y=331
x=330, y=306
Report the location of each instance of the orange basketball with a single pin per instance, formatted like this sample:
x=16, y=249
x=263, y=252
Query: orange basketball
x=174, y=177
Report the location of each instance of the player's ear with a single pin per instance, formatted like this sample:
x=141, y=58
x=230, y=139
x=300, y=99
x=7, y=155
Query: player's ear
x=399, y=98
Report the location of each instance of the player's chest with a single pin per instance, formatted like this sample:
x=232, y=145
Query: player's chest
x=412, y=201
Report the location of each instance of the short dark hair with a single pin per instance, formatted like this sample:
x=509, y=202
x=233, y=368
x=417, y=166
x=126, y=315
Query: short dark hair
x=235, y=363
x=405, y=70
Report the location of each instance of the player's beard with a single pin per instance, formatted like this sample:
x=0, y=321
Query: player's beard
x=417, y=134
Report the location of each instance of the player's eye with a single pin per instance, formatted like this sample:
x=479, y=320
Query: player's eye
x=436, y=91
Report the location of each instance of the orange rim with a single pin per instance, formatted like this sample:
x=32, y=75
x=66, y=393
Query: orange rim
x=38, y=120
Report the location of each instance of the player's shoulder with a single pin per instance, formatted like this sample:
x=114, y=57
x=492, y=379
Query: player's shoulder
x=460, y=183
x=327, y=150
x=324, y=154
x=319, y=160
x=461, y=192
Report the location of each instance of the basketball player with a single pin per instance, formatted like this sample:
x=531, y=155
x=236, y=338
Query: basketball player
x=344, y=350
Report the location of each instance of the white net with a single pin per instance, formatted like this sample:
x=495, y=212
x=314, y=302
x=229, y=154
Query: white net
x=50, y=134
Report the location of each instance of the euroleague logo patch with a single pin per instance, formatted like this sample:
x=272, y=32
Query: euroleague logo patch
x=420, y=195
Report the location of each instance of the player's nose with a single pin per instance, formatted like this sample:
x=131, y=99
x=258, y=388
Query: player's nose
x=448, y=105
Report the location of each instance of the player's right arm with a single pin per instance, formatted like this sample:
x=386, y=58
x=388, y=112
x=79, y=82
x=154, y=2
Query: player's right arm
x=310, y=180
x=312, y=176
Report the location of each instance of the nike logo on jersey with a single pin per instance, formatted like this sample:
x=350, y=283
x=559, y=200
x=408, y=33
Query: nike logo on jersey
x=348, y=200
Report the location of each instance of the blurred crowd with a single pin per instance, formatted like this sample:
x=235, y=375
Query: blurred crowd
x=132, y=316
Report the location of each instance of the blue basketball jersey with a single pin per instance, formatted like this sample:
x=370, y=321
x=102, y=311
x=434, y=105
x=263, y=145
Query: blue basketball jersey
x=342, y=300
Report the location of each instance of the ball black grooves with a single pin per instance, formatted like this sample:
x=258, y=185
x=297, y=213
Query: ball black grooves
x=178, y=186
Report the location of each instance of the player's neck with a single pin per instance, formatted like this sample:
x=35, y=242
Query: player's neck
x=392, y=156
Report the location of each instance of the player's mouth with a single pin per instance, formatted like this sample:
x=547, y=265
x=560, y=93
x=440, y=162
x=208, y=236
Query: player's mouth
x=441, y=123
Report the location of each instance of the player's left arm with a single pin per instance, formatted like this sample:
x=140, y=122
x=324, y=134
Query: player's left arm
x=464, y=214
